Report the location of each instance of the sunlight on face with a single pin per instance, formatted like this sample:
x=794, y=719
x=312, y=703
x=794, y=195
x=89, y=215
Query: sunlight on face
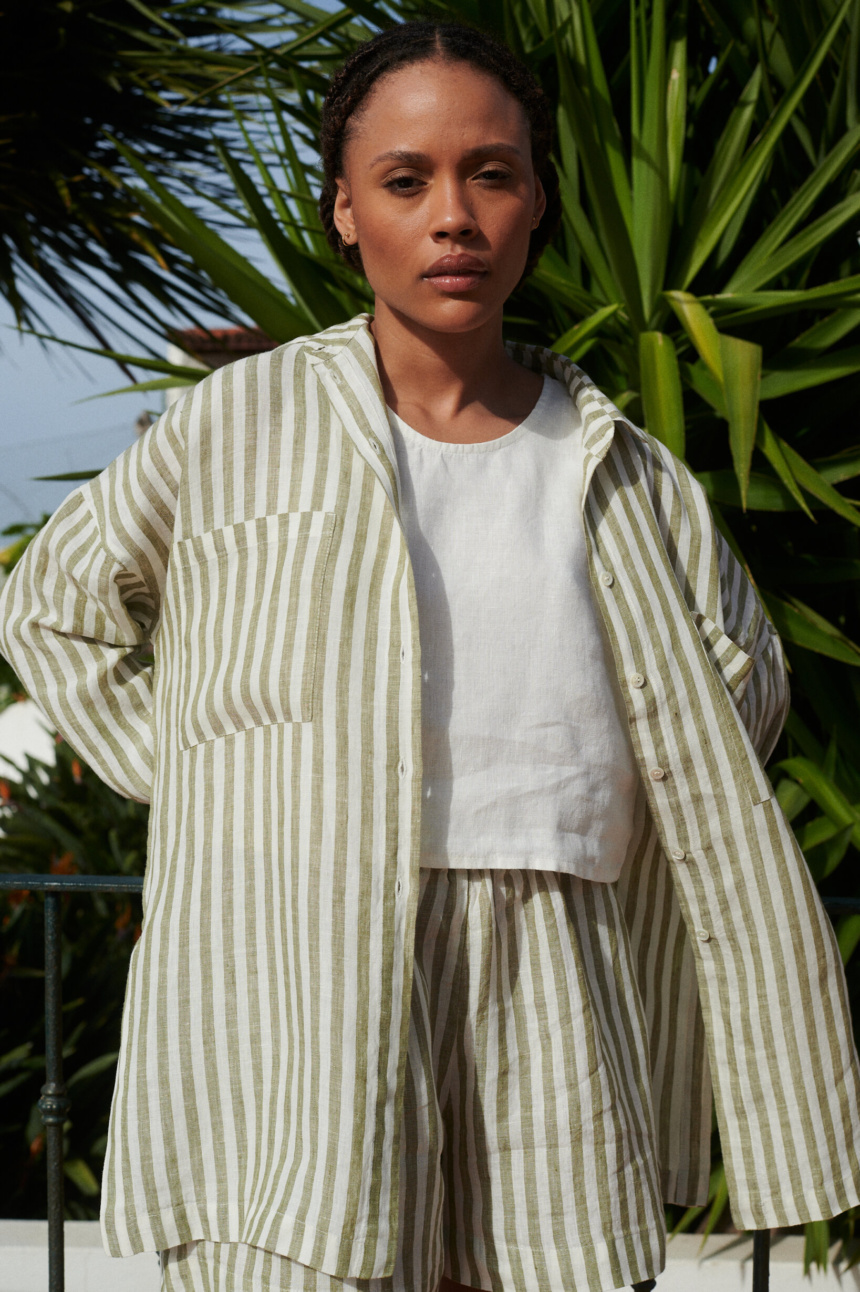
x=438, y=164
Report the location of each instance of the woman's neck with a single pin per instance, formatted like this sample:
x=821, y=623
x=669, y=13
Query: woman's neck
x=461, y=387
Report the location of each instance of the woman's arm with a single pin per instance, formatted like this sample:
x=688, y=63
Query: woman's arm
x=80, y=608
x=765, y=700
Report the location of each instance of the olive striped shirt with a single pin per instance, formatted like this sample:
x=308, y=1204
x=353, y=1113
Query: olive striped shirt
x=223, y=623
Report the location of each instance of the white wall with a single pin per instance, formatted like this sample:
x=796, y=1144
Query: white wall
x=722, y=1264
x=24, y=730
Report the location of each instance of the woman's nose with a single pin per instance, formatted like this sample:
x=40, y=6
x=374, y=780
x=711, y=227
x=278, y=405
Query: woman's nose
x=452, y=216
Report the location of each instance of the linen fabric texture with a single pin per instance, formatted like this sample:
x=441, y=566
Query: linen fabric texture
x=262, y=1065
x=526, y=753
x=528, y=1149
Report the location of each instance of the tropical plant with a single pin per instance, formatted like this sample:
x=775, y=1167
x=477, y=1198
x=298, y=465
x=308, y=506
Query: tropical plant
x=77, y=75
x=63, y=819
x=707, y=276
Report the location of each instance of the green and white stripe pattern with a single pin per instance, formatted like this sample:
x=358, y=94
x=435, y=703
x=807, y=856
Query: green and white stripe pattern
x=527, y=1071
x=262, y=1068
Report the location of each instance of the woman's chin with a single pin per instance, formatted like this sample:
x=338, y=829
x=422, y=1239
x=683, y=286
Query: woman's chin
x=451, y=313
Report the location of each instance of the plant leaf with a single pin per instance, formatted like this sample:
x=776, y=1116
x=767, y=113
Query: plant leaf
x=801, y=376
x=572, y=341
x=771, y=447
x=848, y=936
x=741, y=362
x=764, y=493
x=662, y=397
x=755, y=161
x=81, y=1175
x=800, y=624
x=700, y=328
x=809, y=478
x=745, y=279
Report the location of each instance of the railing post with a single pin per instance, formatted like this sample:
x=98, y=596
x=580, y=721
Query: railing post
x=761, y=1260
x=54, y=1104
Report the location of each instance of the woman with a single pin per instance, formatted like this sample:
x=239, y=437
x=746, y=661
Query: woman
x=446, y=928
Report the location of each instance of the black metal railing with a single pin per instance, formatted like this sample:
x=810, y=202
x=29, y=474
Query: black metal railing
x=54, y=1103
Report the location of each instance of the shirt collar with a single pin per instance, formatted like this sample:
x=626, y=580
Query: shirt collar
x=351, y=349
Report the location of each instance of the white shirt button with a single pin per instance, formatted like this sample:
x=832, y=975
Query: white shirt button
x=374, y=444
x=606, y=579
x=678, y=854
x=637, y=680
x=703, y=935
x=656, y=773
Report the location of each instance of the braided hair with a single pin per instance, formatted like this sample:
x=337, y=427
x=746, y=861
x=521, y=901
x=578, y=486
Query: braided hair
x=415, y=42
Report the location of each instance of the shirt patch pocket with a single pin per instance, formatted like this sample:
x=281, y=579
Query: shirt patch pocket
x=732, y=664
x=248, y=605
x=734, y=669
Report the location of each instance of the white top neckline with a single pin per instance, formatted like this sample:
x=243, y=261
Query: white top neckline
x=417, y=440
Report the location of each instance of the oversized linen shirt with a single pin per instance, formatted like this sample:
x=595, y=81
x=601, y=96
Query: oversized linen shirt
x=526, y=754
x=252, y=536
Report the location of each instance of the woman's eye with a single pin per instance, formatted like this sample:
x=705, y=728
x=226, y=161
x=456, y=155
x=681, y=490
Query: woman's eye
x=401, y=183
x=494, y=173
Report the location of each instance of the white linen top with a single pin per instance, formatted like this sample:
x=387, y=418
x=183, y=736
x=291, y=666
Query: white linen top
x=527, y=759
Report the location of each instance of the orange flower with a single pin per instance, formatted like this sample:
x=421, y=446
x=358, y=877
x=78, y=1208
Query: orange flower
x=123, y=918
x=37, y=1145
x=77, y=776
x=5, y=792
x=64, y=865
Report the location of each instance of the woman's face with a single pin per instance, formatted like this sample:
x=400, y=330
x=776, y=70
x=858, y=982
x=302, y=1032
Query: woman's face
x=438, y=166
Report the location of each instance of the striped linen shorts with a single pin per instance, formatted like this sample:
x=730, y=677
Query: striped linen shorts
x=528, y=1148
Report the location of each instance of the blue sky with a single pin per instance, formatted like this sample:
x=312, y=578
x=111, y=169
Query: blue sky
x=44, y=430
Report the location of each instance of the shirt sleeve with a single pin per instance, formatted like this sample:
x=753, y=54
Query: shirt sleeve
x=79, y=610
x=765, y=701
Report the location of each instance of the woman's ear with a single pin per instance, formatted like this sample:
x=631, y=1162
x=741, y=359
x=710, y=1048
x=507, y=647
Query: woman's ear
x=342, y=213
x=540, y=201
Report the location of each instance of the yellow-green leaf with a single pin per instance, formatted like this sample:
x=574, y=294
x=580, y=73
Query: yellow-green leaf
x=848, y=936
x=700, y=328
x=800, y=624
x=765, y=493
x=572, y=342
x=741, y=361
x=815, y=484
x=662, y=397
x=771, y=447
x=80, y=1174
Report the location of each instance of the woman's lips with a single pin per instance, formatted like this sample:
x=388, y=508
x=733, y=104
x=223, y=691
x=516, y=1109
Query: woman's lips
x=461, y=281
x=457, y=273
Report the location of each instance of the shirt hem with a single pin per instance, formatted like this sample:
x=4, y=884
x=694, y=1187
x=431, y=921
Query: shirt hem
x=598, y=874
x=616, y=1252
x=158, y=1230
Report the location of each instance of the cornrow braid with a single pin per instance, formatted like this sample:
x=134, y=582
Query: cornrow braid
x=414, y=42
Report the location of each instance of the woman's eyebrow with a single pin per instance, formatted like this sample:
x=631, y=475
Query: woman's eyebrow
x=409, y=158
